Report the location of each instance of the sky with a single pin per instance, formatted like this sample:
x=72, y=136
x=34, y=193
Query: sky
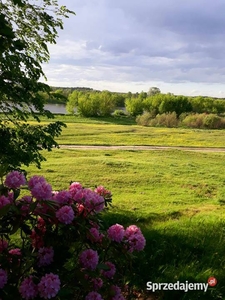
x=133, y=45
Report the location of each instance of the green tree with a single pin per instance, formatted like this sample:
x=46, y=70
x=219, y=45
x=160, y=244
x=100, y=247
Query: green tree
x=154, y=91
x=134, y=106
x=72, y=103
x=106, y=104
x=26, y=29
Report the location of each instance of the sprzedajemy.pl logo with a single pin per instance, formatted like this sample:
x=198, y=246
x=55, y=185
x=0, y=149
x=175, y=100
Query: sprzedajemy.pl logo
x=181, y=286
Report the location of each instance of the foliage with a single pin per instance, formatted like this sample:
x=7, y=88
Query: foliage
x=154, y=91
x=92, y=104
x=202, y=104
x=209, y=121
x=134, y=105
x=54, y=243
x=26, y=29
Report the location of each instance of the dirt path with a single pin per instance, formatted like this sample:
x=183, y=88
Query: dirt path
x=136, y=148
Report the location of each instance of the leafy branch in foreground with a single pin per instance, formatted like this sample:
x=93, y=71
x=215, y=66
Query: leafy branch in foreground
x=26, y=28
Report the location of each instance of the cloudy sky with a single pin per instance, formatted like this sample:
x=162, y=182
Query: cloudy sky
x=132, y=45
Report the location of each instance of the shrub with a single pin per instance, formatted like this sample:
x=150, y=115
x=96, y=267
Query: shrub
x=53, y=244
x=194, y=121
x=209, y=121
x=166, y=119
x=144, y=119
x=213, y=121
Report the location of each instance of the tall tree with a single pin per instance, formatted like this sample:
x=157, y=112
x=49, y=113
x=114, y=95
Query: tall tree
x=26, y=29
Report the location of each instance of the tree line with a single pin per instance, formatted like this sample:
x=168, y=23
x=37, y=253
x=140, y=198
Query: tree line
x=91, y=103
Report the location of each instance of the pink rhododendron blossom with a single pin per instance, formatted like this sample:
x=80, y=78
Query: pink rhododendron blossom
x=45, y=256
x=3, y=278
x=28, y=289
x=63, y=197
x=74, y=188
x=102, y=191
x=81, y=210
x=94, y=235
x=78, y=196
x=89, y=259
x=93, y=296
x=4, y=201
x=134, y=238
x=15, y=251
x=92, y=201
x=15, y=180
x=41, y=225
x=97, y=283
x=111, y=272
x=49, y=286
x=65, y=214
x=35, y=180
x=3, y=245
x=42, y=191
x=116, y=233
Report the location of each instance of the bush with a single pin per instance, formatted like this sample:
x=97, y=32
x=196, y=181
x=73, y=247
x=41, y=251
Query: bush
x=194, y=121
x=144, y=119
x=209, y=121
x=212, y=121
x=53, y=244
x=167, y=119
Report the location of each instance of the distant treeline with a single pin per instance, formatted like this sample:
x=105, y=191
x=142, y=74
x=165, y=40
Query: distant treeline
x=90, y=102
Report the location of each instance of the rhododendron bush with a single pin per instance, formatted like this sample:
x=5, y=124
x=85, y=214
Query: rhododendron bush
x=53, y=245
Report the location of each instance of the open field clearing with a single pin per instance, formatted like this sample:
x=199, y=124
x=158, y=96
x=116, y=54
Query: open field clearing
x=176, y=197
x=112, y=131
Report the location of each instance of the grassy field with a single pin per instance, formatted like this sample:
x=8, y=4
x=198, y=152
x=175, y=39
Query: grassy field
x=112, y=131
x=176, y=197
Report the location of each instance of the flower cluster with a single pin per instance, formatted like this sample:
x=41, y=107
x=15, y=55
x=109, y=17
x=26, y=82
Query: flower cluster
x=63, y=248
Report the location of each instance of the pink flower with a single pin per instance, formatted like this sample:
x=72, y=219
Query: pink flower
x=63, y=197
x=92, y=201
x=15, y=179
x=74, y=188
x=102, y=191
x=28, y=289
x=4, y=201
x=39, y=187
x=35, y=180
x=3, y=245
x=111, y=272
x=3, y=278
x=116, y=233
x=15, y=251
x=135, y=238
x=97, y=283
x=45, y=256
x=89, y=259
x=49, y=286
x=65, y=214
x=95, y=235
x=42, y=191
x=93, y=296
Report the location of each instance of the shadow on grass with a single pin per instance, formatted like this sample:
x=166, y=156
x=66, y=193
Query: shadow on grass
x=177, y=250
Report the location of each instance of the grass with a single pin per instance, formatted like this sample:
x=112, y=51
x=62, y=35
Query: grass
x=176, y=197
x=123, y=131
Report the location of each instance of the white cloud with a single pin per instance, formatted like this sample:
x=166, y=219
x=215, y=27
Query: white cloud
x=127, y=45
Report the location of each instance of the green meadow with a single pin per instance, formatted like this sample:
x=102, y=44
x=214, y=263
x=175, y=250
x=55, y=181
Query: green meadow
x=177, y=197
